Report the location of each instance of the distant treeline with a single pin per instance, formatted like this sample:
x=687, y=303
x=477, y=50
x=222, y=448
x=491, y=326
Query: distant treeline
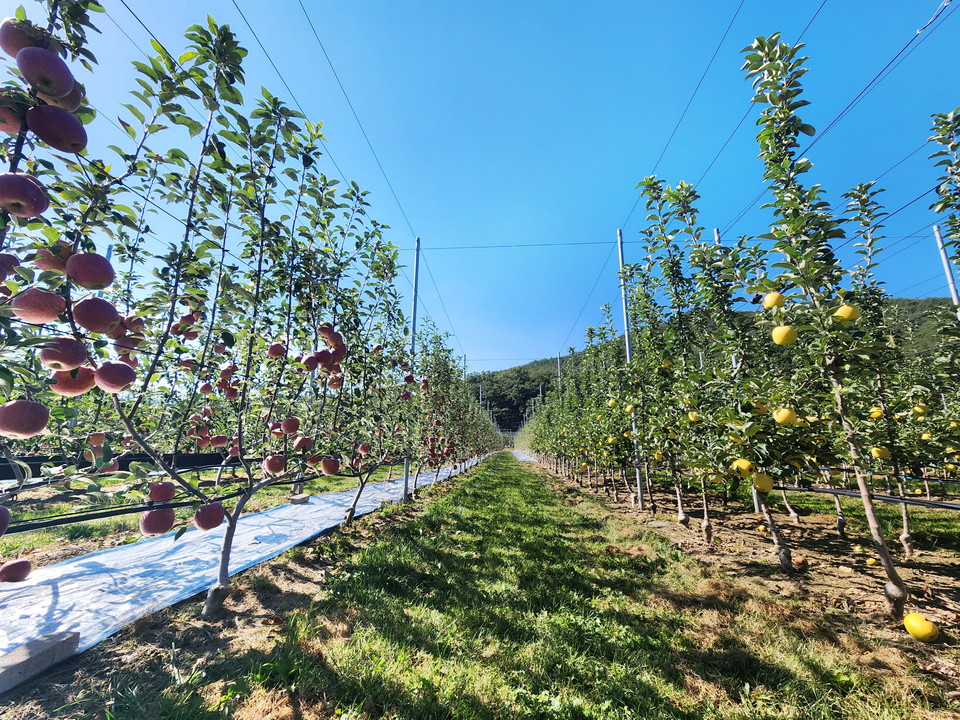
x=509, y=393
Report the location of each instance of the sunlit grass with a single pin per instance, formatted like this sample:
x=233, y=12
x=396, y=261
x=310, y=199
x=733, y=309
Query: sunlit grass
x=502, y=601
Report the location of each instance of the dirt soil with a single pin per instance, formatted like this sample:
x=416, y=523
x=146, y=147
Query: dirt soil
x=834, y=577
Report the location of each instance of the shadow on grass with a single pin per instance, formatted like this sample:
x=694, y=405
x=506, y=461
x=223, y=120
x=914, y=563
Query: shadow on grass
x=500, y=601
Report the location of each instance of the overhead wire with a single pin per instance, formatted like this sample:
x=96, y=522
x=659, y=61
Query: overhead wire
x=866, y=90
x=750, y=105
x=696, y=89
x=443, y=306
x=355, y=116
x=282, y=80
x=583, y=307
x=683, y=114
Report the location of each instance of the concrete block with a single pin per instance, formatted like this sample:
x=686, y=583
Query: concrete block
x=34, y=657
x=299, y=499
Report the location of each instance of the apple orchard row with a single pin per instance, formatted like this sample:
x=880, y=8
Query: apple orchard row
x=206, y=288
x=757, y=363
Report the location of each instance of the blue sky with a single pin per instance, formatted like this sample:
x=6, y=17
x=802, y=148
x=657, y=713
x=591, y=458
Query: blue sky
x=518, y=123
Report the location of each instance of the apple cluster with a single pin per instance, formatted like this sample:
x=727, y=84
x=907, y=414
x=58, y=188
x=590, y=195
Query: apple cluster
x=159, y=520
x=47, y=112
x=74, y=370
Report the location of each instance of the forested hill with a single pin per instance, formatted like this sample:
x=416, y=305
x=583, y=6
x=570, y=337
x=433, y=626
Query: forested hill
x=509, y=393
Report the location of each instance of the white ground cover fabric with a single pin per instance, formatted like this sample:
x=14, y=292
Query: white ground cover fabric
x=522, y=456
x=99, y=593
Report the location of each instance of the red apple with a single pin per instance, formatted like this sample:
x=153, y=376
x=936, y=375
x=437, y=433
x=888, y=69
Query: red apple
x=96, y=314
x=15, y=570
x=21, y=419
x=409, y=379
x=63, y=353
x=96, y=439
x=57, y=128
x=363, y=448
x=310, y=363
x=157, y=522
x=209, y=516
x=114, y=377
x=303, y=444
x=70, y=102
x=231, y=393
x=71, y=383
x=290, y=425
x=10, y=119
x=18, y=34
x=129, y=360
x=49, y=260
x=329, y=466
x=277, y=350
x=405, y=395
x=325, y=329
x=111, y=467
x=274, y=464
x=7, y=263
x=219, y=441
x=90, y=270
x=38, y=306
x=123, y=345
x=335, y=383
x=162, y=490
x=46, y=71
x=206, y=388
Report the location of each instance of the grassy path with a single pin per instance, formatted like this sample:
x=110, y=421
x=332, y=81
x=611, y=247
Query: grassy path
x=504, y=601
x=504, y=596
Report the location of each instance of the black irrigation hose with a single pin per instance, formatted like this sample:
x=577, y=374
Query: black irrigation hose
x=76, y=517
x=913, y=478
x=98, y=515
x=882, y=498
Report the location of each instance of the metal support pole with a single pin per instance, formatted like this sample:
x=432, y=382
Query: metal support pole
x=626, y=339
x=413, y=353
x=947, y=269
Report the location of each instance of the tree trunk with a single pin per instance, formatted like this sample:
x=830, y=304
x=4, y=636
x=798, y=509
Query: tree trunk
x=779, y=546
x=794, y=517
x=895, y=591
x=682, y=517
x=705, y=526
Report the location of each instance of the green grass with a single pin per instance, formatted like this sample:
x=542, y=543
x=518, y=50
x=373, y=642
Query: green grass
x=932, y=529
x=509, y=596
x=501, y=601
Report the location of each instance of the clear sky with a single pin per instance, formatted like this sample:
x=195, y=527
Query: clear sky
x=530, y=123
